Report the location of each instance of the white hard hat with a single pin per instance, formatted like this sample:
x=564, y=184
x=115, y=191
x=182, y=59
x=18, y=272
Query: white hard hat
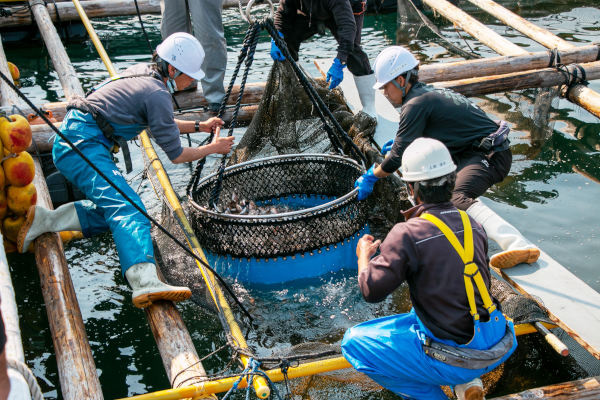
x=425, y=159
x=392, y=62
x=184, y=52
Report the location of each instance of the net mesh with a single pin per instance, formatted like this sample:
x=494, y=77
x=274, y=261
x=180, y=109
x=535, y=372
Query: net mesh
x=275, y=235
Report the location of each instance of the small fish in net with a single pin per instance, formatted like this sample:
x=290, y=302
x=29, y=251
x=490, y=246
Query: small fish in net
x=244, y=206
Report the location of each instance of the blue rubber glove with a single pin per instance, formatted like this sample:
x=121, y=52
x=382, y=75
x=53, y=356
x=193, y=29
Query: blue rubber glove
x=276, y=54
x=387, y=147
x=365, y=183
x=335, y=73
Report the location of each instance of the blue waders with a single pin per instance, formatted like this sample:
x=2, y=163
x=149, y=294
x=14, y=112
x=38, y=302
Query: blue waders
x=391, y=351
x=108, y=210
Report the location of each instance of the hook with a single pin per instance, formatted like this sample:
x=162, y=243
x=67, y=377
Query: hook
x=246, y=13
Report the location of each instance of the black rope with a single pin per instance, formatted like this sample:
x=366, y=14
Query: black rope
x=574, y=74
x=193, y=183
x=125, y=196
x=253, y=41
x=137, y=9
x=60, y=23
x=555, y=60
x=320, y=105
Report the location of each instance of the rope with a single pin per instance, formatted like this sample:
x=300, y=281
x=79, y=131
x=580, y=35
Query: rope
x=200, y=165
x=137, y=9
x=572, y=77
x=23, y=369
x=253, y=41
x=125, y=196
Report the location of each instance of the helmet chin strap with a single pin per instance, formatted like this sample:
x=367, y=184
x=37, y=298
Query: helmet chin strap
x=403, y=87
x=171, y=84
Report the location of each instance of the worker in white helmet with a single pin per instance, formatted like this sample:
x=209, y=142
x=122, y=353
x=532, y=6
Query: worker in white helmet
x=455, y=331
x=479, y=147
x=120, y=108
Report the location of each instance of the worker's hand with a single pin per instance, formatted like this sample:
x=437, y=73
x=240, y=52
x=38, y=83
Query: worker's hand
x=211, y=124
x=335, y=73
x=387, y=147
x=276, y=53
x=365, y=183
x=367, y=246
x=221, y=145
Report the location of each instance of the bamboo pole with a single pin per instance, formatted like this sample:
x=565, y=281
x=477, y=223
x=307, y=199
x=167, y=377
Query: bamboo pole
x=475, y=28
x=76, y=368
x=66, y=73
x=530, y=30
x=21, y=16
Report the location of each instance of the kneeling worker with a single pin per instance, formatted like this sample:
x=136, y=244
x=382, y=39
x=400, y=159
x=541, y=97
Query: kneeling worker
x=121, y=108
x=454, y=333
x=479, y=147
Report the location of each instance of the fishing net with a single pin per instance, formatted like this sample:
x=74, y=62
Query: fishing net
x=520, y=308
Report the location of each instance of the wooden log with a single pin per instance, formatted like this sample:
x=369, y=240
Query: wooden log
x=586, y=98
x=76, y=368
x=58, y=55
x=175, y=345
x=252, y=94
x=519, y=80
x=93, y=8
x=533, y=31
x=504, y=64
x=588, y=388
x=475, y=28
x=6, y=92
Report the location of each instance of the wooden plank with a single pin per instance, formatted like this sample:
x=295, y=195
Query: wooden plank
x=588, y=388
x=527, y=28
x=475, y=28
x=571, y=303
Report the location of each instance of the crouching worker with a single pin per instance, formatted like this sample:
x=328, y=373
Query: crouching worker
x=455, y=331
x=121, y=108
x=479, y=146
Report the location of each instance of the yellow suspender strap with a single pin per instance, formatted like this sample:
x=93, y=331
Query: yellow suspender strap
x=466, y=254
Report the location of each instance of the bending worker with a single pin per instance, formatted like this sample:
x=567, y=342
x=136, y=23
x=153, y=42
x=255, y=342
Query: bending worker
x=299, y=20
x=455, y=331
x=479, y=147
x=123, y=107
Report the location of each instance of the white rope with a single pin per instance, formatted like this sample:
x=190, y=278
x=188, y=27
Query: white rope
x=34, y=387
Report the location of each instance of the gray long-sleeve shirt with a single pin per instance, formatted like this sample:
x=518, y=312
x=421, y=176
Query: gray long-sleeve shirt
x=441, y=114
x=417, y=252
x=143, y=101
x=339, y=11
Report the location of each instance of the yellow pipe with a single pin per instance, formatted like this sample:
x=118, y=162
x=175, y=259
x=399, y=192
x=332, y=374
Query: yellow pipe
x=306, y=369
x=260, y=385
x=222, y=385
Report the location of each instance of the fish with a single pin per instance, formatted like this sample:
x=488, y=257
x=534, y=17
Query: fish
x=238, y=206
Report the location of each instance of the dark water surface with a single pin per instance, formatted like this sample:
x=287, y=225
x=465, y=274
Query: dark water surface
x=551, y=195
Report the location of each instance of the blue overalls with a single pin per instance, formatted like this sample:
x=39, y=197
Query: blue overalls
x=107, y=208
x=391, y=351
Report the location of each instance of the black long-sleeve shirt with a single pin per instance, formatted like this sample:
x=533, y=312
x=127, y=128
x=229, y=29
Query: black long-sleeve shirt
x=339, y=11
x=440, y=114
x=416, y=251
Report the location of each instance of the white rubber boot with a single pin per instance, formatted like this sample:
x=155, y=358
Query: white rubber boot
x=147, y=288
x=366, y=93
x=472, y=390
x=516, y=248
x=40, y=220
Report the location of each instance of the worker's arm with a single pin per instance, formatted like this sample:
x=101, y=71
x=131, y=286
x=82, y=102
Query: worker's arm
x=203, y=126
x=219, y=145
